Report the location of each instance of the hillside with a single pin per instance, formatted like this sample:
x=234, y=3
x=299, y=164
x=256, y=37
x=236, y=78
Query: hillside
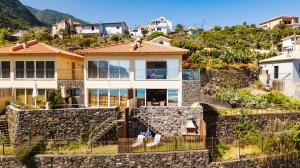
x=50, y=17
x=15, y=15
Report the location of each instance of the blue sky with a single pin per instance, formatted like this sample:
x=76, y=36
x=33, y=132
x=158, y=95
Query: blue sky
x=187, y=12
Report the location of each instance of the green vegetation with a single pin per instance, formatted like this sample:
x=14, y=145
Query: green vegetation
x=29, y=148
x=244, y=98
x=50, y=17
x=14, y=15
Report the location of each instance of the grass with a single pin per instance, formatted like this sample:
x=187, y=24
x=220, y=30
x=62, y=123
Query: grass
x=239, y=111
x=170, y=146
x=81, y=149
x=233, y=152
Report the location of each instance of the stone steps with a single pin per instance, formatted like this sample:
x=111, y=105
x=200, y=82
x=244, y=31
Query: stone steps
x=104, y=128
x=4, y=129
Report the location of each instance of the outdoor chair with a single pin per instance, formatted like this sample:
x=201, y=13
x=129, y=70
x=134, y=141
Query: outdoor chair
x=139, y=141
x=155, y=142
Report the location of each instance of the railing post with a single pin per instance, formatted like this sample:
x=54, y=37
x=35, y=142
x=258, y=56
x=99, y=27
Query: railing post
x=239, y=149
x=3, y=147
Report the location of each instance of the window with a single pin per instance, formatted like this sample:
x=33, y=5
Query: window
x=4, y=69
x=276, y=70
x=158, y=29
x=113, y=69
x=118, y=27
x=140, y=97
x=107, y=97
x=161, y=42
x=173, y=69
x=24, y=96
x=156, y=69
x=93, y=28
x=49, y=69
x=35, y=69
x=75, y=92
x=103, y=97
x=40, y=69
x=172, y=97
x=20, y=69
x=92, y=69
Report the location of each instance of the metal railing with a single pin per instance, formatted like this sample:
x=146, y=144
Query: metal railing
x=70, y=74
x=191, y=74
x=162, y=73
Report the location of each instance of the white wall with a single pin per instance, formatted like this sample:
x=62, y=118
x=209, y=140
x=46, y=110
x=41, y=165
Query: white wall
x=131, y=82
x=88, y=30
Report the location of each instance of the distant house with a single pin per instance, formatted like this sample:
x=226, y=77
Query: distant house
x=292, y=21
x=108, y=29
x=92, y=28
x=137, y=32
x=194, y=30
x=161, y=40
x=67, y=25
x=282, y=72
x=160, y=24
x=35, y=63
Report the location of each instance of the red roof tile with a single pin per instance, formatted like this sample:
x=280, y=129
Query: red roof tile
x=146, y=48
x=34, y=48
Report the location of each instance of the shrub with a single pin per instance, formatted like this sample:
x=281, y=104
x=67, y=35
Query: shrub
x=296, y=135
x=220, y=149
x=30, y=148
x=197, y=58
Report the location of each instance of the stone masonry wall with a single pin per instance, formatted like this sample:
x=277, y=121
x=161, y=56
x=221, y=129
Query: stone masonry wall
x=62, y=124
x=284, y=161
x=185, y=159
x=190, y=92
x=76, y=84
x=168, y=121
x=223, y=126
x=215, y=80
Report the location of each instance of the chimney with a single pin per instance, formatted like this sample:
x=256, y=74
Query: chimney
x=137, y=43
x=23, y=45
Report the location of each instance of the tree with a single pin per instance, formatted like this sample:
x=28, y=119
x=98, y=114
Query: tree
x=5, y=36
x=144, y=32
x=126, y=33
x=154, y=35
x=41, y=34
x=179, y=28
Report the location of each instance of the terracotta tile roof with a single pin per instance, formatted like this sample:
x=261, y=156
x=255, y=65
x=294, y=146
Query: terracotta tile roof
x=279, y=17
x=146, y=48
x=34, y=47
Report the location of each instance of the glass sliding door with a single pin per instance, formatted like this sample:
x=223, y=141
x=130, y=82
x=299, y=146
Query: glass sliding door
x=93, y=97
x=103, y=69
x=20, y=96
x=50, y=69
x=114, y=97
x=156, y=70
x=114, y=70
x=92, y=69
x=40, y=69
x=173, y=69
x=140, y=97
x=124, y=69
x=172, y=97
x=20, y=69
x=30, y=69
x=123, y=98
x=140, y=69
x=103, y=97
x=5, y=69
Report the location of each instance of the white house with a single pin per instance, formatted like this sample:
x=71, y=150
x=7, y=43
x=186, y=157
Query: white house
x=108, y=29
x=137, y=32
x=161, y=40
x=92, y=28
x=140, y=74
x=160, y=24
x=282, y=72
x=22, y=66
x=289, y=44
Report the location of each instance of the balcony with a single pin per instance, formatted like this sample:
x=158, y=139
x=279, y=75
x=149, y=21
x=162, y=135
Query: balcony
x=191, y=74
x=70, y=74
x=156, y=74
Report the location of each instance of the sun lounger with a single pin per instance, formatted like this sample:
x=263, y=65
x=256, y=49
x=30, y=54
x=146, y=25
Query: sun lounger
x=155, y=142
x=140, y=140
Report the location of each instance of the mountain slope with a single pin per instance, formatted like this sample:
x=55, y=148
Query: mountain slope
x=50, y=16
x=13, y=14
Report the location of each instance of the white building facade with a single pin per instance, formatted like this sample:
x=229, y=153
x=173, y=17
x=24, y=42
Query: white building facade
x=126, y=75
x=108, y=29
x=282, y=72
x=160, y=24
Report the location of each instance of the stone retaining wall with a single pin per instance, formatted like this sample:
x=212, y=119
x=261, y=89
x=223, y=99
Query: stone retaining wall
x=190, y=92
x=285, y=161
x=169, y=121
x=183, y=159
x=74, y=84
x=222, y=126
x=62, y=124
